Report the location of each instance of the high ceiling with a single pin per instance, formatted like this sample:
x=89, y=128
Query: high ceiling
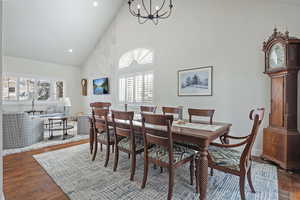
x=58, y=31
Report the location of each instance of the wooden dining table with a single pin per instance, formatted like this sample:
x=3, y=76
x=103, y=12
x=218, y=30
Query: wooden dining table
x=186, y=134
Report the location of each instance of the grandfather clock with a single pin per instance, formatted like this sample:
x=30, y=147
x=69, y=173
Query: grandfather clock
x=281, y=140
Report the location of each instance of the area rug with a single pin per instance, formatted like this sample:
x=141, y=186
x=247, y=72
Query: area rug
x=82, y=179
x=46, y=142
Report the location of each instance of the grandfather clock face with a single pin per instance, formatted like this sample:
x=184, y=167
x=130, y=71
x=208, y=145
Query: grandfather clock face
x=277, y=56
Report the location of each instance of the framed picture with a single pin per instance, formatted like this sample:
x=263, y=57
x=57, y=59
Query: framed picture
x=195, y=81
x=100, y=86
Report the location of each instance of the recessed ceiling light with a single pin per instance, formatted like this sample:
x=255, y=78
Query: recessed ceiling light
x=95, y=3
x=70, y=50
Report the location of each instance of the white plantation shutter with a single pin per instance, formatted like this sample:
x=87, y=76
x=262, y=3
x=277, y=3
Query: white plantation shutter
x=139, y=88
x=122, y=89
x=136, y=88
x=130, y=90
x=148, y=87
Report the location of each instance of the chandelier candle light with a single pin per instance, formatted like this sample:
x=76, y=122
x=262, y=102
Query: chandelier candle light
x=143, y=12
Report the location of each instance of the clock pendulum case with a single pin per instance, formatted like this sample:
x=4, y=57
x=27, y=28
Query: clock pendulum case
x=281, y=139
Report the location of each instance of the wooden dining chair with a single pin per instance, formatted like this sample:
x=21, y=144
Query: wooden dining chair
x=126, y=139
x=164, y=153
x=149, y=109
x=102, y=134
x=224, y=158
x=97, y=105
x=175, y=111
x=209, y=113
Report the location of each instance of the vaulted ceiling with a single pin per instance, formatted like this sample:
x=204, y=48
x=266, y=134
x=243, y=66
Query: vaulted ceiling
x=58, y=31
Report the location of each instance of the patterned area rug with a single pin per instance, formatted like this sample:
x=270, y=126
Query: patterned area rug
x=81, y=179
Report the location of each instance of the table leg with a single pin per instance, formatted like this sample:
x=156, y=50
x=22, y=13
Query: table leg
x=64, y=128
x=50, y=129
x=91, y=137
x=202, y=171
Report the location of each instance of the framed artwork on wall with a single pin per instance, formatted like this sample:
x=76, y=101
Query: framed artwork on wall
x=84, y=84
x=195, y=81
x=100, y=86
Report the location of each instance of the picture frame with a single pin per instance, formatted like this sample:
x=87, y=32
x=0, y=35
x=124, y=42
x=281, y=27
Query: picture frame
x=100, y=86
x=196, y=81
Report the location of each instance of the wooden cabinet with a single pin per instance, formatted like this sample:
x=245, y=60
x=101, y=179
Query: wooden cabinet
x=281, y=140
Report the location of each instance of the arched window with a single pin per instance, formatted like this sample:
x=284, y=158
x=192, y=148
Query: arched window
x=137, y=87
x=140, y=55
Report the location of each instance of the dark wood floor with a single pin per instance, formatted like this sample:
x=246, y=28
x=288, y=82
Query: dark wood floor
x=25, y=179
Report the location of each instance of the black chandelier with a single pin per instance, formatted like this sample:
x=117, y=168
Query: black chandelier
x=143, y=12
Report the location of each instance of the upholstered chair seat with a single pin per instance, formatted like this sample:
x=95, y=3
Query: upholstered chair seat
x=179, y=153
x=125, y=143
x=103, y=137
x=225, y=157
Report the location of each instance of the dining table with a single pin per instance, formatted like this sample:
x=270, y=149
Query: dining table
x=198, y=133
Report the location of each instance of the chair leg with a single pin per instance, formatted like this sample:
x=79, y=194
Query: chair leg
x=133, y=166
x=242, y=186
x=212, y=171
x=161, y=170
x=171, y=183
x=192, y=169
x=197, y=177
x=145, y=172
x=95, y=149
x=107, y=155
x=250, y=180
x=116, y=158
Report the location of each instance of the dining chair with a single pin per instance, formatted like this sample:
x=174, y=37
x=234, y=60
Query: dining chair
x=102, y=133
x=226, y=159
x=156, y=131
x=209, y=113
x=98, y=105
x=126, y=140
x=175, y=111
x=149, y=109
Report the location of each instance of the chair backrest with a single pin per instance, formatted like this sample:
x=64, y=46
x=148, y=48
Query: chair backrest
x=100, y=120
x=162, y=136
x=151, y=109
x=201, y=113
x=105, y=105
x=123, y=129
x=256, y=116
x=172, y=110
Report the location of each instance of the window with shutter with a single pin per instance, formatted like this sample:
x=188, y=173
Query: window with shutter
x=148, y=87
x=136, y=88
x=130, y=90
x=122, y=89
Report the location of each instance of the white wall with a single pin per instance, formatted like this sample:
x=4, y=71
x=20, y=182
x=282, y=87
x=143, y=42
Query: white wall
x=225, y=34
x=1, y=136
x=70, y=74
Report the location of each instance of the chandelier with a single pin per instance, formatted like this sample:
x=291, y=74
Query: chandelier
x=145, y=12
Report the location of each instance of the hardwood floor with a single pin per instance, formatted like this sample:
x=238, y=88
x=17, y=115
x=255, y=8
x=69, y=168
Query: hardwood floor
x=25, y=179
